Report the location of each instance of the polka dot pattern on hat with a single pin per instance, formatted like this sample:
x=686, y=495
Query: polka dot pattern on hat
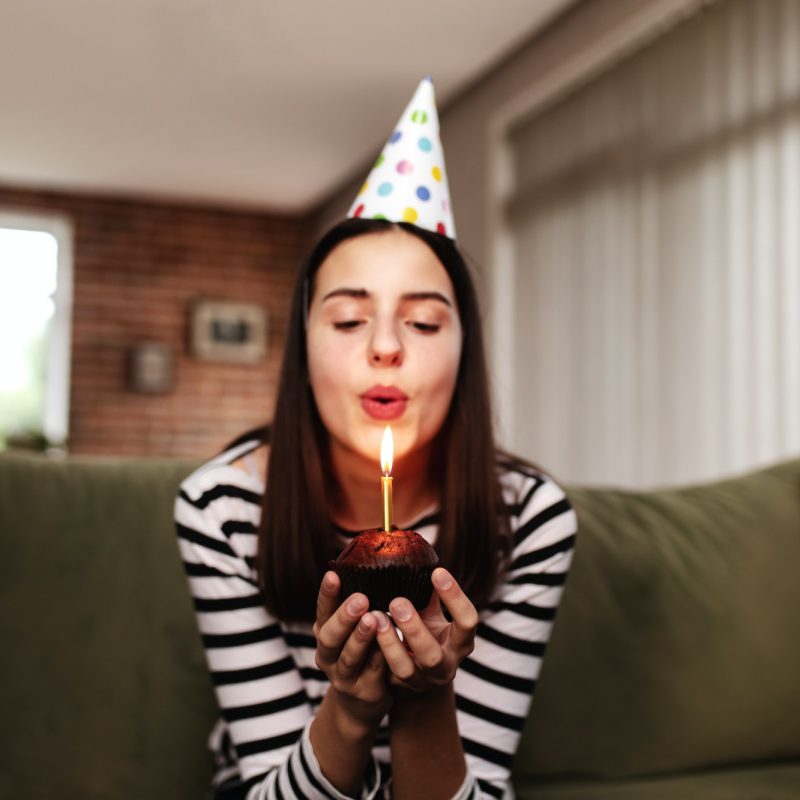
x=408, y=181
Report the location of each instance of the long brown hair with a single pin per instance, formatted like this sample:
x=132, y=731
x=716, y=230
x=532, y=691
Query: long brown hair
x=297, y=537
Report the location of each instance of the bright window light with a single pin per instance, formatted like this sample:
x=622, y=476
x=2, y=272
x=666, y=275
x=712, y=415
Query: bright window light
x=28, y=273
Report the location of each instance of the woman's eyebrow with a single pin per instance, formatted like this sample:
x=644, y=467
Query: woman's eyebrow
x=358, y=293
x=362, y=294
x=427, y=296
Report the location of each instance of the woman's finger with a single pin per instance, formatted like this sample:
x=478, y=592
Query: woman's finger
x=398, y=660
x=356, y=649
x=463, y=613
x=333, y=634
x=327, y=599
x=432, y=614
x=427, y=651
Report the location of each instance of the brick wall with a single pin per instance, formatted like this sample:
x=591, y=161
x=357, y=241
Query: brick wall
x=137, y=268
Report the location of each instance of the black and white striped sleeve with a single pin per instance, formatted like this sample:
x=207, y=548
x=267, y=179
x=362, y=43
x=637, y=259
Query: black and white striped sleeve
x=259, y=688
x=495, y=684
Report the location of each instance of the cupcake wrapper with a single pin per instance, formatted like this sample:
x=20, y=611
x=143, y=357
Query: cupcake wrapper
x=382, y=584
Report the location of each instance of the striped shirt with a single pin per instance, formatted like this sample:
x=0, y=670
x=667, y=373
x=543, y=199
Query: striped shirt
x=264, y=673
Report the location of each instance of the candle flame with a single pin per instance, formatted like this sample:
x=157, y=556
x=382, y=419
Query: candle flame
x=387, y=451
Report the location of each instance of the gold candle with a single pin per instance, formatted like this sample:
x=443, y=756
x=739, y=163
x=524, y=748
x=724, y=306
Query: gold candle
x=387, y=453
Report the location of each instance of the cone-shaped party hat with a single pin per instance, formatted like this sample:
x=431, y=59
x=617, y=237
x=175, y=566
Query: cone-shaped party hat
x=408, y=182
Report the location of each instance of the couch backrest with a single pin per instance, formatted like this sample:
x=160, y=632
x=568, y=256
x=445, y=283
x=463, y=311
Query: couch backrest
x=104, y=691
x=677, y=644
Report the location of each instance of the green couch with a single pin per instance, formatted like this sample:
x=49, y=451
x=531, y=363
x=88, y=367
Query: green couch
x=673, y=670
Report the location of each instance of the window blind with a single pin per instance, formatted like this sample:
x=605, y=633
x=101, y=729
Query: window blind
x=655, y=229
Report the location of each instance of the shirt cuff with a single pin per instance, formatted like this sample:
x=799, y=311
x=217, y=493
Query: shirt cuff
x=372, y=775
x=467, y=787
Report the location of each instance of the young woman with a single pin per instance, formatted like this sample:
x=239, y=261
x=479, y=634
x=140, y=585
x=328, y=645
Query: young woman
x=320, y=697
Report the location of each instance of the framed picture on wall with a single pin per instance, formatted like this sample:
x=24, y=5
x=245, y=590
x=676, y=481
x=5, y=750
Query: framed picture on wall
x=228, y=331
x=150, y=368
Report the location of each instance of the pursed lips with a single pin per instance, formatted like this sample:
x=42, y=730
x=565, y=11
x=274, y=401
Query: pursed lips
x=384, y=402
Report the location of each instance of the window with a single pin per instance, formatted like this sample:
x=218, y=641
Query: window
x=653, y=225
x=35, y=313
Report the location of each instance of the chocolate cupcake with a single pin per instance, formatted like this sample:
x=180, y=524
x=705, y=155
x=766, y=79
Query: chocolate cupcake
x=387, y=564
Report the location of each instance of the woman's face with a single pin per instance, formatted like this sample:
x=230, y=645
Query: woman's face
x=384, y=343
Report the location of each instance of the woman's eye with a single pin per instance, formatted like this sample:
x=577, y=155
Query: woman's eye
x=425, y=327
x=347, y=324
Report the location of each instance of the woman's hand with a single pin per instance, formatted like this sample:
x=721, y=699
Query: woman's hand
x=432, y=648
x=346, y=653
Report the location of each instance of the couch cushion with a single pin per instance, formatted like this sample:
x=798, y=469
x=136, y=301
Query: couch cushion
x=677, y=645
x=767, y=782
x=105, y=692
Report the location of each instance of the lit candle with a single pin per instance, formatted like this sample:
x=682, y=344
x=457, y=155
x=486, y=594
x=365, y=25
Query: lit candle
x=387, y=452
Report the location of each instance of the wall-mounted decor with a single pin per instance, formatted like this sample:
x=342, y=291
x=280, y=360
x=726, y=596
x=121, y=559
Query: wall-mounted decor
x=226, y=331
x=151, y=370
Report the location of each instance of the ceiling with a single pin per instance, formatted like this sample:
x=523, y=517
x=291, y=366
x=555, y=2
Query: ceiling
x=250, y=103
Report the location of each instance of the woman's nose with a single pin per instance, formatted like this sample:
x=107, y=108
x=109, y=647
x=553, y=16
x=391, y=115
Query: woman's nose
x=385, y=348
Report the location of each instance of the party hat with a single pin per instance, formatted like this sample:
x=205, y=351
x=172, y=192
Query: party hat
x=408, y=182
